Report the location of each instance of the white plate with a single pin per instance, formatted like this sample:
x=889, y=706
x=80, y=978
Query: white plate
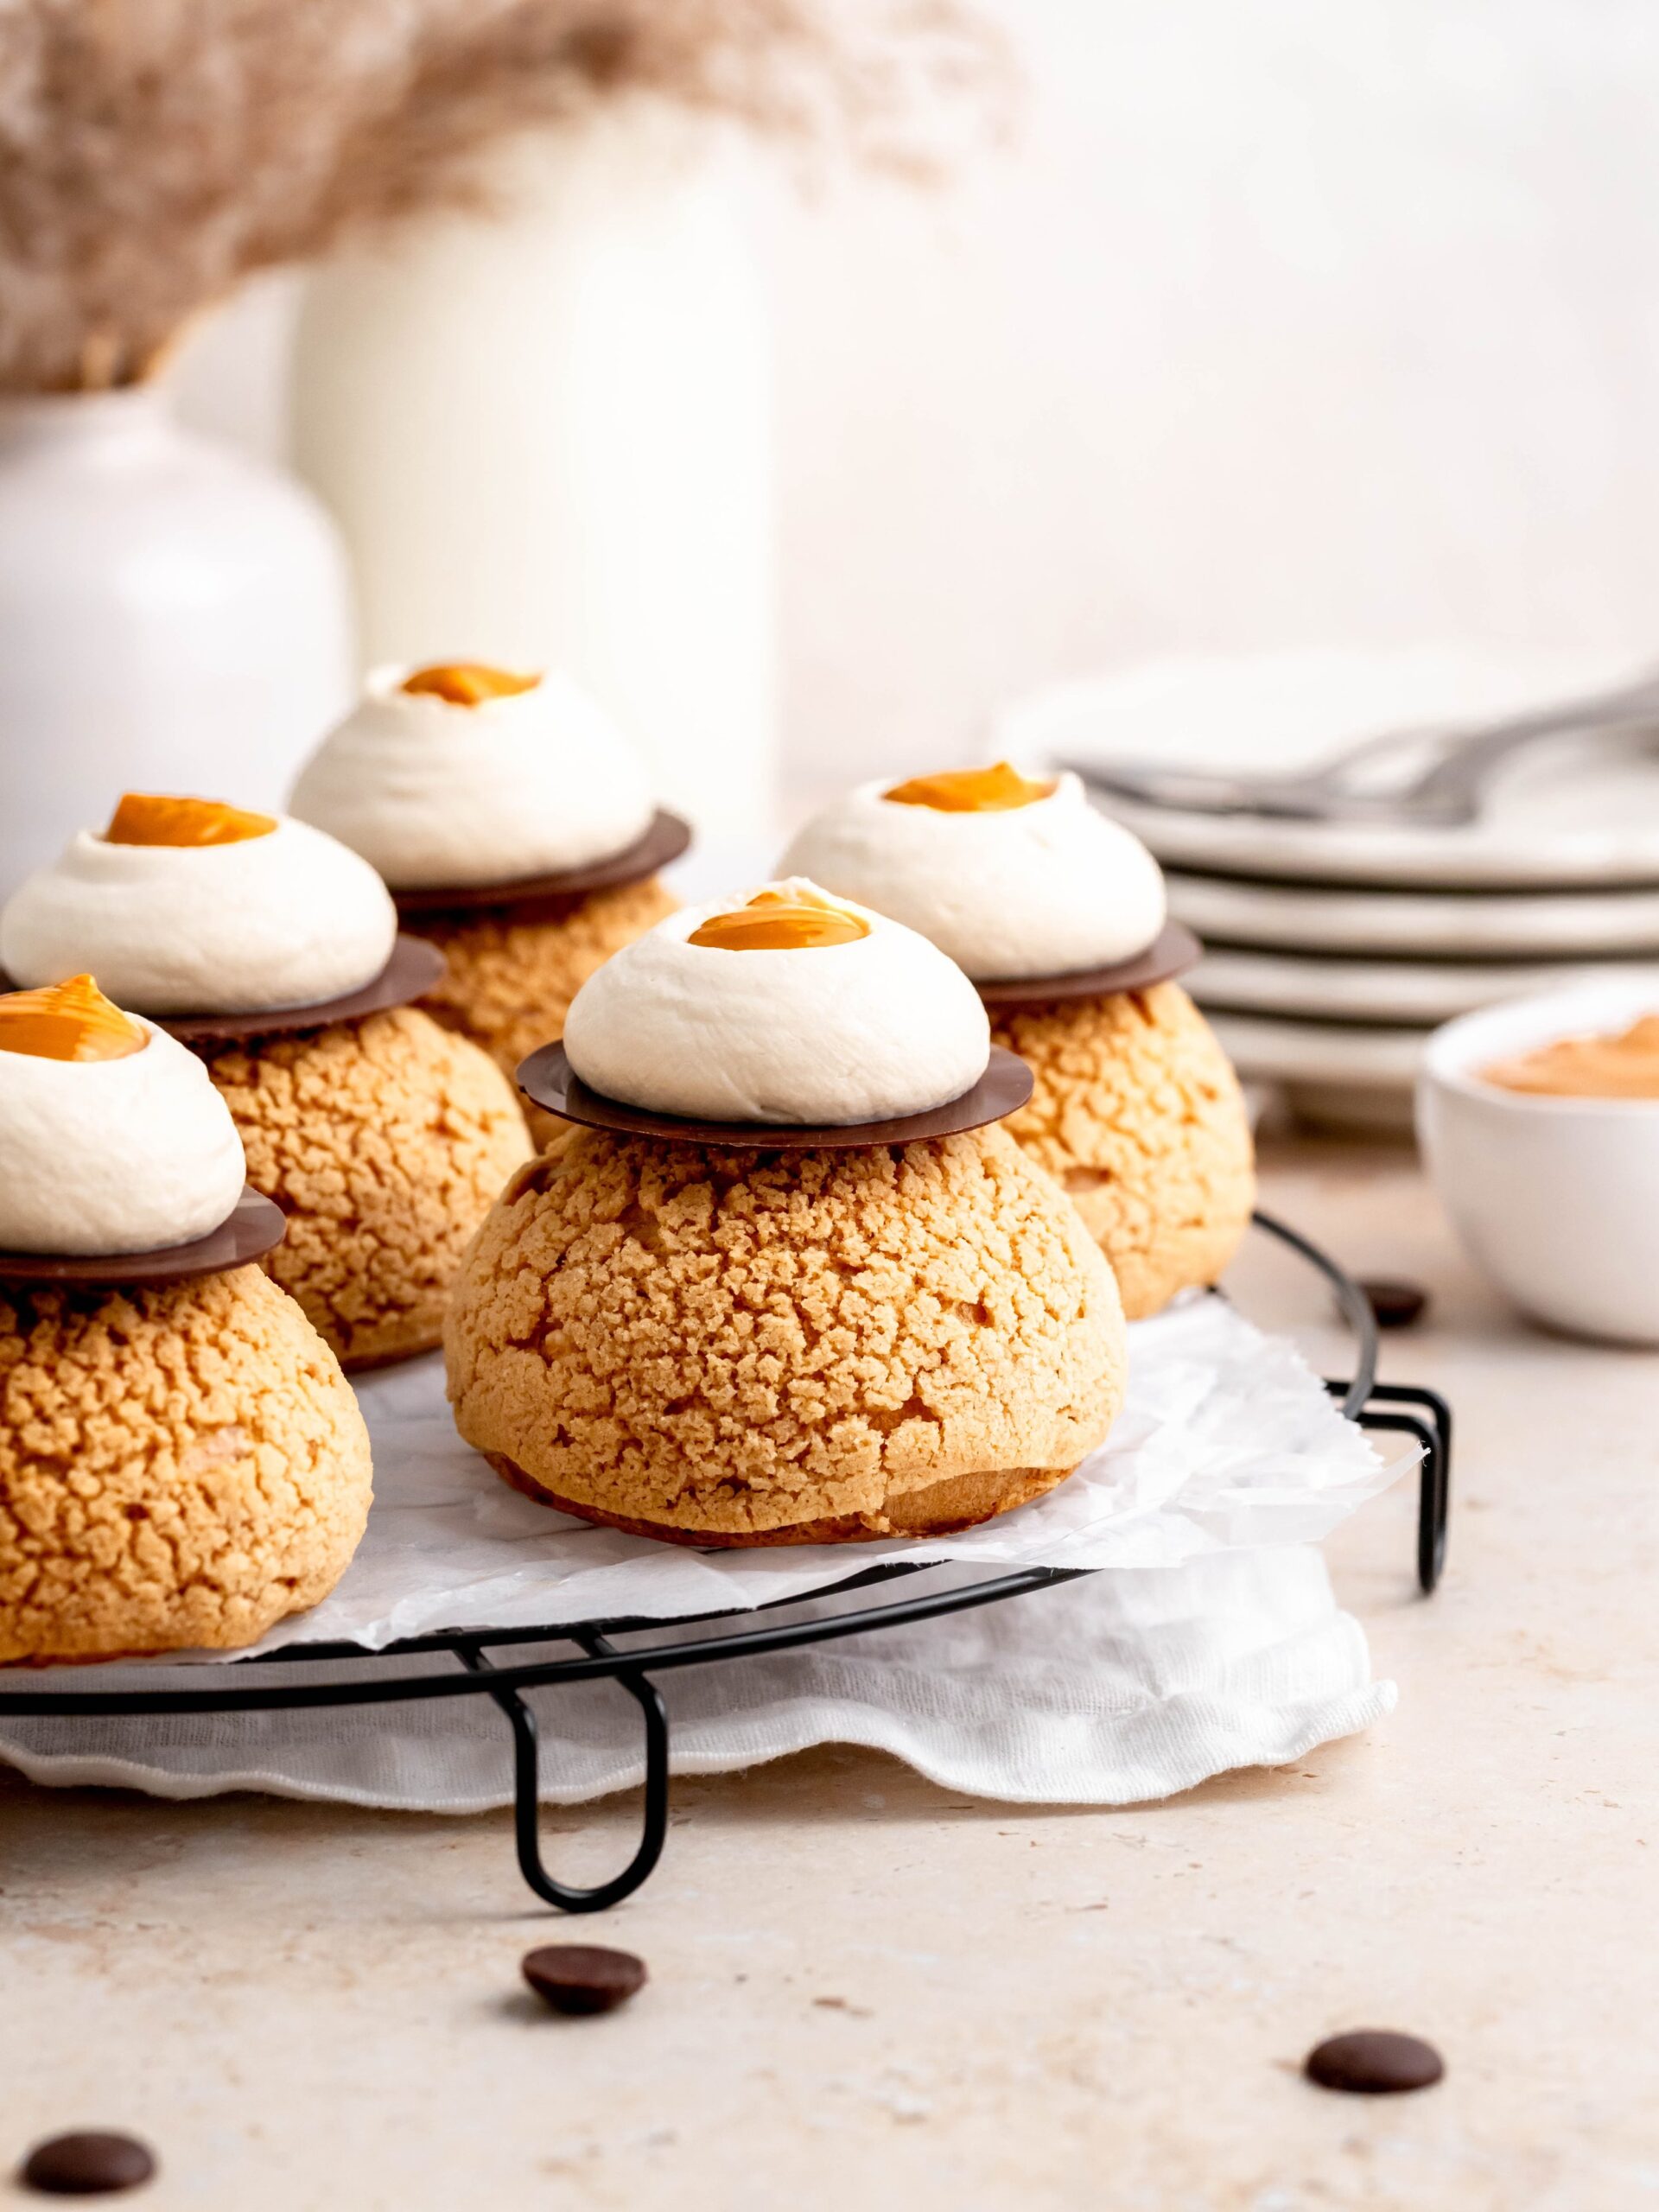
x=1272, y=1049
x=1382, y=990
x=1293, y=916
x=1347, y=1077
x=1576, y=813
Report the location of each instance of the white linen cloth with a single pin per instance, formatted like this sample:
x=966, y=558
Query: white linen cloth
x=1210, y=1640
x=1121, y=1687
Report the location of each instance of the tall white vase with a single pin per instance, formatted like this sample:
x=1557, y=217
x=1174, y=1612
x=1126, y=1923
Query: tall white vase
x=546, y=437
x=174, y=616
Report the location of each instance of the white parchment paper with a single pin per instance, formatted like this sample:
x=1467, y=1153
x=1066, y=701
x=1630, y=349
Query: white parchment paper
x=1227, y=1440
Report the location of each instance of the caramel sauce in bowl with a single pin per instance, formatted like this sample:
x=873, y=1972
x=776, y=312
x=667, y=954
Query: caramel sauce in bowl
x=1539, y=1125
x=1623, y=1065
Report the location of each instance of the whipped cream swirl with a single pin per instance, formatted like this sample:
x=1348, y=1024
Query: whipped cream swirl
x=286, y=919
x=1041, y=889
x=867, y=1030
x=131, y=1154
x=433, y=790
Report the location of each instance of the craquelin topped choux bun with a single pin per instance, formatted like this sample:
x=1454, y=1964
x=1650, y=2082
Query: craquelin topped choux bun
x=383, y=1137
x=181, y=1464
x=733, y=1346
x=464, y=777
x=180, y=1467
x=1136, y=1111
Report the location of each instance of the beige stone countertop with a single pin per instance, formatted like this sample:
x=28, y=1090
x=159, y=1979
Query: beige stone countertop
x=868, y=1993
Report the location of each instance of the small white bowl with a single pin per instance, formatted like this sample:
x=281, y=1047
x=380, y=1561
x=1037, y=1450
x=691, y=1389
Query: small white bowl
x=1557, y=1199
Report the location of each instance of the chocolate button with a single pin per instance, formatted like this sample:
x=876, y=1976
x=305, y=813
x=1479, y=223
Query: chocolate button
x=1374, y=2063
x=87, y=2164
x=1396, y=1305
x=579, y=1978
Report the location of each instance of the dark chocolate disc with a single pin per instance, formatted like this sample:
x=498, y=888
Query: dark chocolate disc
x=581, y=1979
x=414, y=968
x=547, y=1080
x=1171, y=953
x=1395, y=1303
x=664, y=841
x=253, y=1227
x=1374, y=2063
x=90, y=2162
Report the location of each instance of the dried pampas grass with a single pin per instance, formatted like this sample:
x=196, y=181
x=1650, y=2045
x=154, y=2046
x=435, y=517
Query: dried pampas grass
x=153, y=153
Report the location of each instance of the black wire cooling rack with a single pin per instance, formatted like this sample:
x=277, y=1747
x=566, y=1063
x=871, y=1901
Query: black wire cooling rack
x=373, y=1678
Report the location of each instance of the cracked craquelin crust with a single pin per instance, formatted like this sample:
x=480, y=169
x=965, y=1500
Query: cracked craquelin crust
x=730, y=1348
x=1137, y=1111
x=178, y=1467
x=385, y=1142
x=512, y=973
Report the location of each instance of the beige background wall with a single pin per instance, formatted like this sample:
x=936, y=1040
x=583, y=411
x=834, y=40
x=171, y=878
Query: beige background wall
x=1283, y=322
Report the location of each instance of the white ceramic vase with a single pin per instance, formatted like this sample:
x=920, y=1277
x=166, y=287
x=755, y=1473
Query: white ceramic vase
x=174, y=616
x=546, y=436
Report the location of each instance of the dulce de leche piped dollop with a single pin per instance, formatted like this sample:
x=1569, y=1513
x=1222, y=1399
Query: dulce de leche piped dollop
x=777, y=921
x=68, y=1021
x=1622, y=1066
x=147, y=818
x=467, y=683
x=972, y=790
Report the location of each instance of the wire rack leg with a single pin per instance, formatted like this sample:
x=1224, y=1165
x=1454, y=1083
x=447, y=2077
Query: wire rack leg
x=526, y=1802
x=1429, y=1420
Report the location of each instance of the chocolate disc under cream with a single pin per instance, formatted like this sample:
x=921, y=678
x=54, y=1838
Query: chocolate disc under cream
x=547, y=1080
x=665, y=840
x=253, y=1228
x=414, y=968
x=1171, y=953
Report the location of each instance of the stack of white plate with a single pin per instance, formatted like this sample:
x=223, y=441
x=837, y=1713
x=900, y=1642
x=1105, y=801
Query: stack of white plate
x=1332, y=950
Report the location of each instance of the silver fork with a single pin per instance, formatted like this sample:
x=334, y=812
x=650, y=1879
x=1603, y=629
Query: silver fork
x=1448, y=792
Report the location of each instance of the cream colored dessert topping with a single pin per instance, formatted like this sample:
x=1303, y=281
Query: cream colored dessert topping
x=828, y=1014
x=466, y=775
x=112, y=1135
x=68, y=1021
x=188, y=906
x=1621, y=1065
x=1010, y=877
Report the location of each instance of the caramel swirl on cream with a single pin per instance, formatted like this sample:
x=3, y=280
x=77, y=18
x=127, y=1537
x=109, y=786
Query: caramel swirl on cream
x=775, y=921
x=467, y=683
x=68, y=1021
x=972, y=790
x=148, y=818
x=1624, y=1065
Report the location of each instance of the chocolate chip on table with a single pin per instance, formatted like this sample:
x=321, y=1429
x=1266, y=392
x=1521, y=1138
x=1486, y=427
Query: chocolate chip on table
x=89, y=2163
x=580, y=1978
x=1374, y=2063
x=1396, y=1305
